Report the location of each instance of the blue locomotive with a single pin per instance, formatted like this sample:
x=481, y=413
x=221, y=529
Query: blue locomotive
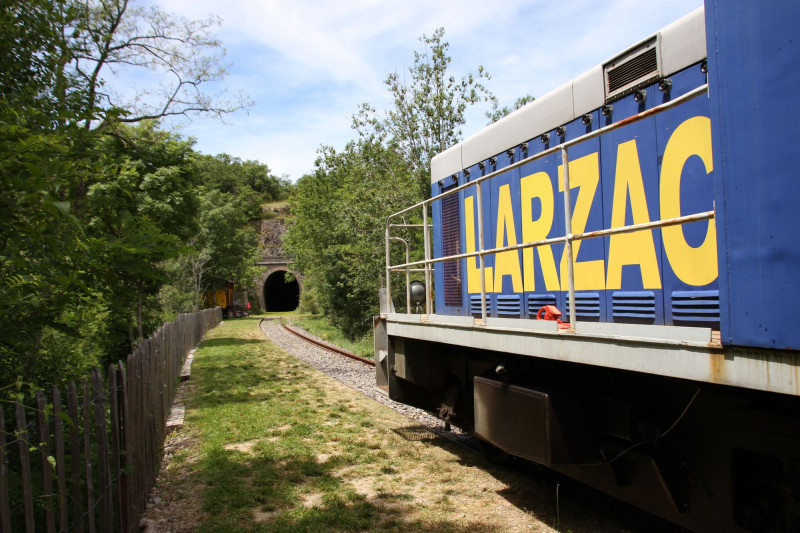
x=612, y=271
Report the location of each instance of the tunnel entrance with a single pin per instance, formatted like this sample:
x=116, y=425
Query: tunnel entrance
x=280, y=295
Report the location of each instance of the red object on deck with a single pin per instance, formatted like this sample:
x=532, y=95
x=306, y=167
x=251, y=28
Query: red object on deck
x=551, y=312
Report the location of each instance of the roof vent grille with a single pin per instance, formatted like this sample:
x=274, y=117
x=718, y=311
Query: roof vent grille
x=629, y=71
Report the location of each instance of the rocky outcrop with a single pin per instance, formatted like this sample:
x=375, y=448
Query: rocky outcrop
x=270, y=237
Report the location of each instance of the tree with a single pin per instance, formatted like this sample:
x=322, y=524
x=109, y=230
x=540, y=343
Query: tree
x=226, y=239
x=138, y=217
x=498, y=112
x=428, y=110
x=183, y=54
x=40, y=243
x=336, y=239
x=91, y=210
x=250, y=181
x=59, y=58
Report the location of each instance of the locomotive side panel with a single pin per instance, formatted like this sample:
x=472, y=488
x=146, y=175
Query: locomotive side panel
x=656, y=168
x=753, y=60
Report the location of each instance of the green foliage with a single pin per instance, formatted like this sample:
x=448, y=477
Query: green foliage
x=137, y=218
x=498, y=112
x=428, y=110
x=225, y=237
x=40, y=239
x=338, y=234
x=250, y=181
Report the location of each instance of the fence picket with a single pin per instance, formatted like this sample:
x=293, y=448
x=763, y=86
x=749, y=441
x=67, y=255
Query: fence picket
x=87, y=456
x=75, y=454
x=44, y=454
x=25, y=466
x=126, y=437
x=61, y=467
x=101, y=442
x=113, y=399
x=5, y=504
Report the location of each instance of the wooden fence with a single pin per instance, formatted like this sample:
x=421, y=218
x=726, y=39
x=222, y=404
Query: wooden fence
x=88, y=464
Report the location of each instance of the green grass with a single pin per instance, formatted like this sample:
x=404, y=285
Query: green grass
x=262, y=420
x=260, y=426
x=272, y=445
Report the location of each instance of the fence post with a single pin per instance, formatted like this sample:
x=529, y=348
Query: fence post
x=101, y=441
x=5, y=504
x=75, y=454
x=61, y=467
x=44, y=454
x=25, y=465
x=87, y=455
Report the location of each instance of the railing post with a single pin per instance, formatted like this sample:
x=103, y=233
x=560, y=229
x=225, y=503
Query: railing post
x=568, y=237
x=408, y=272
x=388, y=264
x=427, y=243
x=482, y=260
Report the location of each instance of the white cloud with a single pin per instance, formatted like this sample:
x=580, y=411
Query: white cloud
x=308, y=64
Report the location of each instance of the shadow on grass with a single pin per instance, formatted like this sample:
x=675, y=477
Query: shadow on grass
x=228, y=342
x=554, y=498
x=264, y=491
x=260, y=491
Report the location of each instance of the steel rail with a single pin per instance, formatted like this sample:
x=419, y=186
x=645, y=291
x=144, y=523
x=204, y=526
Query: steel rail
x=325, y=345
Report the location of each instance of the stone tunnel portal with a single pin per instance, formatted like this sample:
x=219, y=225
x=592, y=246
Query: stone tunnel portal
x=279, y=294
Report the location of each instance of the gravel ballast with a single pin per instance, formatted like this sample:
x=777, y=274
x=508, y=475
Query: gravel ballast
x=357, y=375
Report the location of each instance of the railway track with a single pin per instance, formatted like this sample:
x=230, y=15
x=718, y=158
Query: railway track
x=327, y=346
x=354, y=371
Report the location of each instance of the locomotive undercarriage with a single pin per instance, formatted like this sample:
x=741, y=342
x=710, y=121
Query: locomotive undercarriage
x=705, y=456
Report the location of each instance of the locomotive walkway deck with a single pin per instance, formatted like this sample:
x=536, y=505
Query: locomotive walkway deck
x=270, y=444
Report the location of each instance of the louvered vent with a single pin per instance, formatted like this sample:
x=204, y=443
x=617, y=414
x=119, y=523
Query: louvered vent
x=475, y=305
x=631, y=70
x=509, y=306
x=696, y=306
x=635, y=304
x=587, y=306
x=451, y=245
x=537, y=301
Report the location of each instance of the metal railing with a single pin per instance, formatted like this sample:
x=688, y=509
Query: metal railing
x=426, y=264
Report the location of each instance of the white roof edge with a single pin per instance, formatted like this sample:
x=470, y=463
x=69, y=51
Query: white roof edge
x=443, y=162
x=682, y=44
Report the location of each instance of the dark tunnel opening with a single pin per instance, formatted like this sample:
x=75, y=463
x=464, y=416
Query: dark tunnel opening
x=279, y=294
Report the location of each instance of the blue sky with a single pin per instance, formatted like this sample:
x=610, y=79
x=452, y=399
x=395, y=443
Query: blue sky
x=308, y=64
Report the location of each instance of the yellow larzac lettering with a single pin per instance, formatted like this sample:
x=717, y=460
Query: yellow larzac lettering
x=538, y=186
x=473, y=263
x=584, y=173
x=506, y=263
x=635, y=248
x=693, y=266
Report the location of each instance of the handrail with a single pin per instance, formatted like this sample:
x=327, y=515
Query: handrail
x=566, y=239
x=408, y=273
